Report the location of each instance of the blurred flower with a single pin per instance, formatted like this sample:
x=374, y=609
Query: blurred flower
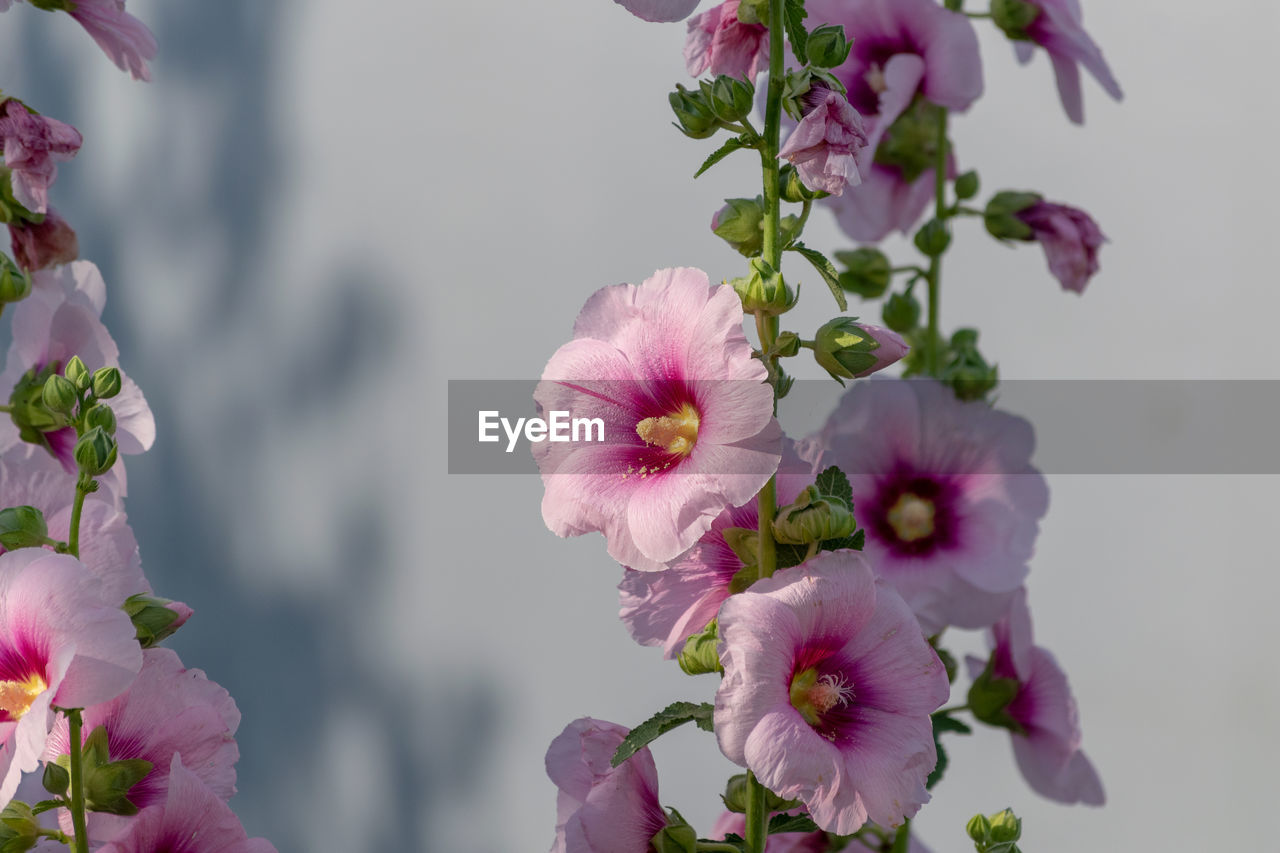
x=1070, y=238
x=825, y=143
x=601, y=808
x=122, y=37
x=718, y=43
x=48, y=243
x=827, y=691
x=33, y=147
x=663, y=11
x=1045, y=725
x=688, y=418
x=1059, y=29
x=946, y=493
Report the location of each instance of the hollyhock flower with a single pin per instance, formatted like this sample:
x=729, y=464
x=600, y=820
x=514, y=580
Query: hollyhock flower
x=60, y=319
x=33, y=147
x=122, y=37
x=1042, y=716
x=718, y=43
x=43, y=244
x=193, y=819
x=902, y=49
x=688, y=418
x=1070, y=238
x=661, y=11
x=600, y=808
x=166, y=711
x=1059, y=29
x=825, y=143
x=667, y=608
x=827, y=691
x=61, y=643
x=946, y=493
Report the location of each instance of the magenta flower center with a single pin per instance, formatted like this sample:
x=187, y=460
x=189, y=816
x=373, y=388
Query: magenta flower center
x=16, y=696
x=675, y=433
x=911, y=517
x=814, y=695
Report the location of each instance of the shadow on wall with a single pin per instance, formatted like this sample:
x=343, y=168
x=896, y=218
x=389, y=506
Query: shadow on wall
x=336, y=752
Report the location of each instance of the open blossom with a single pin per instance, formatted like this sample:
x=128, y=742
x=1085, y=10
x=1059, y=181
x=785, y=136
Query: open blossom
x=33, y=147
x=827, y=691
x=946, y=493
x=902, y=49
x=601, y=808
x=1059, y=29
x=718, y=43
x=826, y=142
x=44, y=244
x=687, y=417
x=61, y=643
x=1070, y=238
x=192, y=819
x=1046, y=733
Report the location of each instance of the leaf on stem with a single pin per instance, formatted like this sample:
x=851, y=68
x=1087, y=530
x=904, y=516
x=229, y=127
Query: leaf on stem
x=794, y=16
x=826, y=269
x=735, y=144
x=673, y=716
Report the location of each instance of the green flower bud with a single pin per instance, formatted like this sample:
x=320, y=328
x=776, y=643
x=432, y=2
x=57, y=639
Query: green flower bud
x=933, y=238
x=730, y=98
x=1001, y=215
x=967, y=185
x=1005, y=826
x=786, y=345
x=77, y=373
x=675, y=837
x=868, y=272
x=106, y=787
x=911, y=143
x=22, y=527
x=740, y=224
x=54, y=5
x=754, y=12
x=699, y=653
x=56, y=779
x=979, y=829
x=764, y=291
x=15, y=283
x=95, y=452
x=155, y=618
x=59, y=394
x=106, y=382
x=813, y=517
x=101, y=416
x=793, y=189
x=847, y=350
x=744, y=542
x=735, y=797
x=827, y=47
x=901, y=312
x=1014, y=16
x=989, y=697
x=694, y=115
x=966, y=371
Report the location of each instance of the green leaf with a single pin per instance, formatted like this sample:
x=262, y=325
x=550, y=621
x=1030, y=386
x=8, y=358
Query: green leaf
x=943, y=723
x=674, y=715
x=826, y=269
x=832, y=481
x=794, y=16
x=46, y=806
x=56, y=779
x=735, y=144
x=948, y=723
x=781, y=823
x=938, y=769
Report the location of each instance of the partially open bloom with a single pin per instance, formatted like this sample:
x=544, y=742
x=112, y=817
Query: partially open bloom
x=61, y=643
x=600, y=808
x=43, y=244
x=827, y=691
x=1059, y=29
x=33, y=147
x=946, y=493
x=1042, y=716
x=718, y=43
x=1070, y=238
x=688, y=425
x=826, y=142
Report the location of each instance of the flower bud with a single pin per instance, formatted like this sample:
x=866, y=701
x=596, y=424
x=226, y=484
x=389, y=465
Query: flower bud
x=786, y=345
x=694, y=116
x=730, y=99
x=754, y=12
x=95, y=452
x=868, y=272
x=55, y=779
x=979, y=829
x=739, y=223
x=1005, y=826
x=989, y=697
x=966, y=371
x=15, y=283
x=155, y=618
x=77, y=373
x=106, y=382
x=22, y=527
x=813, y=517
x=901, y=312
x=1001, y=215
x=793, y=188
x=764, y=291
x=967, y=185
x=736, y=793
x=827, y=47
x=59, y=394
x=106, y=787
x=676, y=837
x=101, y=416
x=933, y=238
x=699, y=653
x=847, y=350
x=1014, y=16
x=911, y=142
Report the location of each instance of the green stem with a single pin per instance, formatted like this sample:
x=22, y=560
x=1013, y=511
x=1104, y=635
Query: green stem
x=954, y=709
x=902, y=841
x=935, y=263
x=716, y=847
x=804, y=217
x=77, y=781
x=757, y=831
x=73, y=538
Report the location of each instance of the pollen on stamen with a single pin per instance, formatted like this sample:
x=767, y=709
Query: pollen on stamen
x=830, y=691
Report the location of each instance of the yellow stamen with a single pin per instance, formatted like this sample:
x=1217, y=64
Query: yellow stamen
x=813, y=696
x=16, y=696
x=676, y=433
x=912, y=517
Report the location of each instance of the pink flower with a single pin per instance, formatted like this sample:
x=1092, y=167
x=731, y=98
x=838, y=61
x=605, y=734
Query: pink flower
x=1046, y=725
x=663, y=11
x=1059, y=29
x=120, y=35
x=33, y=147
x=61, y=318
x=666, y=608
x=193, y=819
x=823, y=146
x=44, y=244
x=599, y=808
x=946, y=493
x=61, y=643
x=827, y=691
x=719, y=43
x=166, y=711
x=688, y=418
x=1070, y=238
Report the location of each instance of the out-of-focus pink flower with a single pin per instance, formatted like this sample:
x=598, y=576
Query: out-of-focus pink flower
x=827, y=691
x=1048, y=746
x=946, y=493
x=33, y=147
x=1059, y=29
x=825, y=144
x=192, y=819
x=662, y=11
x=718, y=43
x=688, y=422
x=44, y=244
x=1070, y=238
x=61, y=643
x=120, y=35
x=600, y=808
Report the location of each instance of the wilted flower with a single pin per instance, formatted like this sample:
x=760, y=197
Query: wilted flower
x=33, y=147
x=826, y=142
x=1070, y=238
x=719, y=43
x=47, y=243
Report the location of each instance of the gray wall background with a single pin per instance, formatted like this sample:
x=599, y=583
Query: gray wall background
x=319, y=212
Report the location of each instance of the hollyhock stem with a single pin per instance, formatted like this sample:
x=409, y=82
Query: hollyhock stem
x=73, y=538
x=757, y=829
x=75, y=746
x=716, y=847
x=902, y=841
x=935, y=263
